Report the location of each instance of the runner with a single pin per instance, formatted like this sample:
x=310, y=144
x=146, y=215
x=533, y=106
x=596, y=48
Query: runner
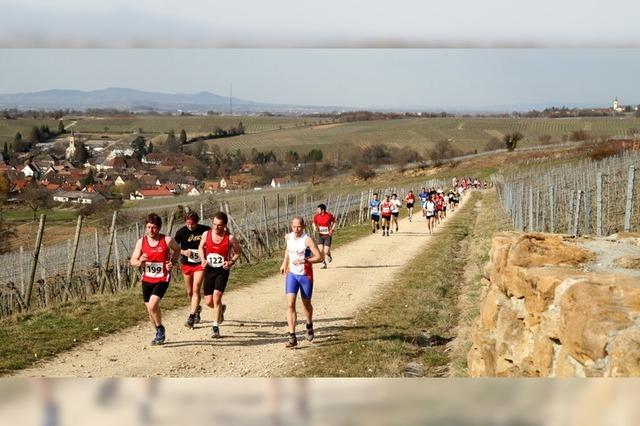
x=395, y=209
x=156, y=253
x=375, y=213
x=423, y=195
x=215, y=250
x=439, y=200
x=429, y=209
x=324, y=224
x=188, y=237
x=299, y=255
x=410, y=199
x=385, y=206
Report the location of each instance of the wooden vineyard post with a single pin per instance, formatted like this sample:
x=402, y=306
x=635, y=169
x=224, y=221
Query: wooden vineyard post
x=628, y=210
x=201, y=211
x=36, y=255
x=599, y=204
x=264, y=219
x=576, y=214
x=530, y=227
x=278, y=218
x=72, y=259
x=108, y=257
x=552, y=209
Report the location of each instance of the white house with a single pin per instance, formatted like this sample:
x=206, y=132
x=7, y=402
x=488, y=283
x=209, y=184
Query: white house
x=193, y=192
x=223, y=183
x=78, y=197
x=30, y=170
x=119, y=181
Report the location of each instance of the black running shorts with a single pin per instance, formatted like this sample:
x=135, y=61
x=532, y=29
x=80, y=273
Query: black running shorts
x=150, y=289
x=215, y=279
x=324, y=240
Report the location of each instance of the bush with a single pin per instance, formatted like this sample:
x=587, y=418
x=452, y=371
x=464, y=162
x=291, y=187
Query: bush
x=364, y=172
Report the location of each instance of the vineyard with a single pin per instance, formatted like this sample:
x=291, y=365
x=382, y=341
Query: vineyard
x=45, y=275
x=466, y=134
x=589, y=197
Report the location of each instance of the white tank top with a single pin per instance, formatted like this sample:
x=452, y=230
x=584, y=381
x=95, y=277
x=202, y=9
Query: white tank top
x=297, y=249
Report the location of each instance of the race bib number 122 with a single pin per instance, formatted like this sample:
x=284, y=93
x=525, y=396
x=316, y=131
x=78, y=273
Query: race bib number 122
x=215, y=260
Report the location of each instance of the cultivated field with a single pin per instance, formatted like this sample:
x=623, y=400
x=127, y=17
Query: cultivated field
x=468, y=134
x=9, y=128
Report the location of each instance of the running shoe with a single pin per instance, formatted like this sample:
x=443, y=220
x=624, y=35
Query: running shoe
x=197, y=315
x=330, y=258
x=159, y=339
x=377, y=226
x=324, y=266
x=215, y=332
x=292, y=341
x=396, y=229
x=190, y=321
x=373, y=231
x=309, y=334
x=224, y=309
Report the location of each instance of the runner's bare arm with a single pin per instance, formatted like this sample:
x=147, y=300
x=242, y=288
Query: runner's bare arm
x=136, y=258
x=316, y=255
x=237, y=251
x=203, y=258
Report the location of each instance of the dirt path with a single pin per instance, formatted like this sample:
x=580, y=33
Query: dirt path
x=255, y=327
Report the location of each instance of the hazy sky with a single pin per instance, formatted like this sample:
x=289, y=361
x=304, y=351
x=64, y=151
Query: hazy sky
x=341, y=77
x=327, y=23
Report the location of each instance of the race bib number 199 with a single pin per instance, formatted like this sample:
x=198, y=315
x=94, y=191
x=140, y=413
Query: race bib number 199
x=194, y=257
x=154, y=270
x=215, y=260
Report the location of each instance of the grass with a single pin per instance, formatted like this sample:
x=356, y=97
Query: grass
x=412, y=323
x=27, y=338
x=58, y=216
x=490, y=219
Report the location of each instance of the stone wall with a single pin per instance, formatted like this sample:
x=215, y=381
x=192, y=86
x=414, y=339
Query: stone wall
x=557, y=306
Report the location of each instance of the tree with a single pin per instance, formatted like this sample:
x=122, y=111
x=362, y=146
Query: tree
x=4, y=186
x=579, y=135
x=34, y=135
x=240, y=129
x=171, y=145
x=89, y=180
x=314, y=155
x=139, y=147
x=60, y=127
x=6, y=232
x=183, y=137
x=81, y=154
x=35, y=197
x=511, y=140
x=443, y=150
x=5, y=152
x=364, y=172
x=150, y=148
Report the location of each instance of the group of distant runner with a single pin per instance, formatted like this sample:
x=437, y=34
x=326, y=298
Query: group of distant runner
x=206, y=255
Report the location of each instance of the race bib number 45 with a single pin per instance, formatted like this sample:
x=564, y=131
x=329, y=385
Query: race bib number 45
x=154, y=269
x=215, y=260
x=194, y=257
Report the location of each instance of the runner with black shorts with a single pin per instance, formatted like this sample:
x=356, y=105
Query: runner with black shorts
x=192, y=271
x=300, y=253
x=155, y=253
x=375, y=213
x=429, y=208
x=385, y=208
x=324, y=224
x=395, y=209
x=410, y=199
x=216, y=248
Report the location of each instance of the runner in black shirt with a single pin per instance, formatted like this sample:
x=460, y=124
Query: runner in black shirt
x=188, y=237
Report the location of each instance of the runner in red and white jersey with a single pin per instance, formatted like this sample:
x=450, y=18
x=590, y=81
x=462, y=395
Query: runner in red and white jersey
x=219, y=250
x=385, y=210
x=324, y=224
x=155, y=253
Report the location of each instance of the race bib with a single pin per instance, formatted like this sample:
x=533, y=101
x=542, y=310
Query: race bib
x=215, y=260
x=386, y=210
x=323, y=229
x=154, y=269
x=194, y=256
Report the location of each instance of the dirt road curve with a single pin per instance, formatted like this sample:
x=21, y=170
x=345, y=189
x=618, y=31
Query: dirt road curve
x=255, y=324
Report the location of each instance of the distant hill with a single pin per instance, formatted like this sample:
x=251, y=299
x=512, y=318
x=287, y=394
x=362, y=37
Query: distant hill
x=129, y=99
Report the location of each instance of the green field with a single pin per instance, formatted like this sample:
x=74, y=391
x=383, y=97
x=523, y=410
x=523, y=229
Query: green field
x=468, y=134
x=9, y=128
x=195, y=124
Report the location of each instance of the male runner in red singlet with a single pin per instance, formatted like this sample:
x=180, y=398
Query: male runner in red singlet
x=219, y=251
x=156, y=253
x=385, y=209
x=324, y=224
x=410, y=199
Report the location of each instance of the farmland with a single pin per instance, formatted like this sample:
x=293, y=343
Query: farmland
x=9, y=128
x=468, y=134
